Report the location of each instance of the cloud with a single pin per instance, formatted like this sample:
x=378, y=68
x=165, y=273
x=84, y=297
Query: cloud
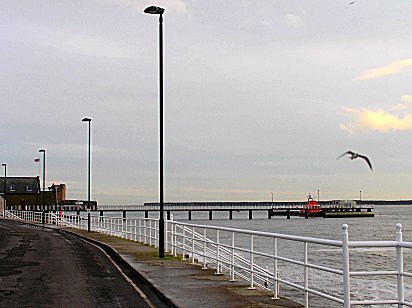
x=390, y=69
x=379, y=119
x=266, y=23
x=178, y=6
x=220, y=190
x=76, y=148
x=406, y=103
x=293, y=21
x=88, y=45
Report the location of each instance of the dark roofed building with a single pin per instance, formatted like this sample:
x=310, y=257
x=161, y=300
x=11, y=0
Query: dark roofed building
x=20, y=185
x=21, y=191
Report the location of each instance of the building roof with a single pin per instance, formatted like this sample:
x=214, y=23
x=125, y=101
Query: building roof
x=20, y=185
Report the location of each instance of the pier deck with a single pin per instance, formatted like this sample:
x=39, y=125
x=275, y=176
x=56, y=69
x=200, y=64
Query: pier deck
x=287, y=209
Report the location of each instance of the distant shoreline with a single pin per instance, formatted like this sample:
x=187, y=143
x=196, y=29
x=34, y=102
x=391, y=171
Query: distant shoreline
x=268, y=203
x=386, y=202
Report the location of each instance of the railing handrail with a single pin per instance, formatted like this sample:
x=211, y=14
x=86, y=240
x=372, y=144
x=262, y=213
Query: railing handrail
x=269, y=234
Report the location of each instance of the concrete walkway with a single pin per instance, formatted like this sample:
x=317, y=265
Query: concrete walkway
x=182, y=283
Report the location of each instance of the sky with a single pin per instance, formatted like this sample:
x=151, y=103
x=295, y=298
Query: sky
x=260, y=97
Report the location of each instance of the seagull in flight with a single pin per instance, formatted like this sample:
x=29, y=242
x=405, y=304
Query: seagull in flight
x=352, y=2
x=354, y=155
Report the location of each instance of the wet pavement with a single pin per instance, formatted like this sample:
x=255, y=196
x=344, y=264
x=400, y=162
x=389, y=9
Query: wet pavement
x=45, y=268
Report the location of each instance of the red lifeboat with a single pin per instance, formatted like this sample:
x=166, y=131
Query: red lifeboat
x=311, y=208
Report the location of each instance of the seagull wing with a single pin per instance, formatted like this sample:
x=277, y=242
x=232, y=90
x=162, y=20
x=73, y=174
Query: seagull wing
x=343, y=154
x=367, y=160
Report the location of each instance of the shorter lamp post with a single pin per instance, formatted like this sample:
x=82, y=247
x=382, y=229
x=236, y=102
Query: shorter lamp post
x=44, y=178
x=4, y=189
x=88, y=175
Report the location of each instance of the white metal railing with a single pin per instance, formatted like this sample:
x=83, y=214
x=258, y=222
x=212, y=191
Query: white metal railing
x=195, y=240
x=329, y=269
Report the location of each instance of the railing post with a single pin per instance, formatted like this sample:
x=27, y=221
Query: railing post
x=252, y=286
x=345, y=266
x=113, y=226
x=275, y=269
x=399, y=265
x=193, y=245
x=232, y=259
x=140, y=230
x=171, y=235
x=184, y=242
x=100, y=224
x=172, y=243
x=217, y=253
x=145, y=231
x=157, y=233
x=175, y=239
x=204, y=249
x=166, y=234
x=305, y=274
x=135, y=230
x=150, y=232
x=122, y=228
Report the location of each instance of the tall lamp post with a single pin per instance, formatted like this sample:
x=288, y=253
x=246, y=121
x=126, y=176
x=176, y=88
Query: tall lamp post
x=88, y=174
x=44, y=172
x=4, y=189
x=159, y=11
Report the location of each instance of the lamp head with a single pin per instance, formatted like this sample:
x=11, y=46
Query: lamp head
x=86, y=120
x=154, y=10
x=4, y=165
x=42, y=151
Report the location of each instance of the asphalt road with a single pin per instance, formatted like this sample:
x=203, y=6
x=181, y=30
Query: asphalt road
x=47, y=268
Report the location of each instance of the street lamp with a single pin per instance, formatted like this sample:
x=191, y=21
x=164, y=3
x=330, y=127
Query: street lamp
x=88, y=175
x=4, y=189
x=44, y=172
x=159, y=11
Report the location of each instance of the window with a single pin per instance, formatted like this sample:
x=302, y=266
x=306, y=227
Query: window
x=29, y=187
x=13, y=187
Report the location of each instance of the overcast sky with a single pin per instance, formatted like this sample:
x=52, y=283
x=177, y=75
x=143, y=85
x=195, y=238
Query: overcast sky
x=259, y=97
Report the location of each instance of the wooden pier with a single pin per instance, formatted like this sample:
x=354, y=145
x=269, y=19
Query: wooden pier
x=286, y=209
